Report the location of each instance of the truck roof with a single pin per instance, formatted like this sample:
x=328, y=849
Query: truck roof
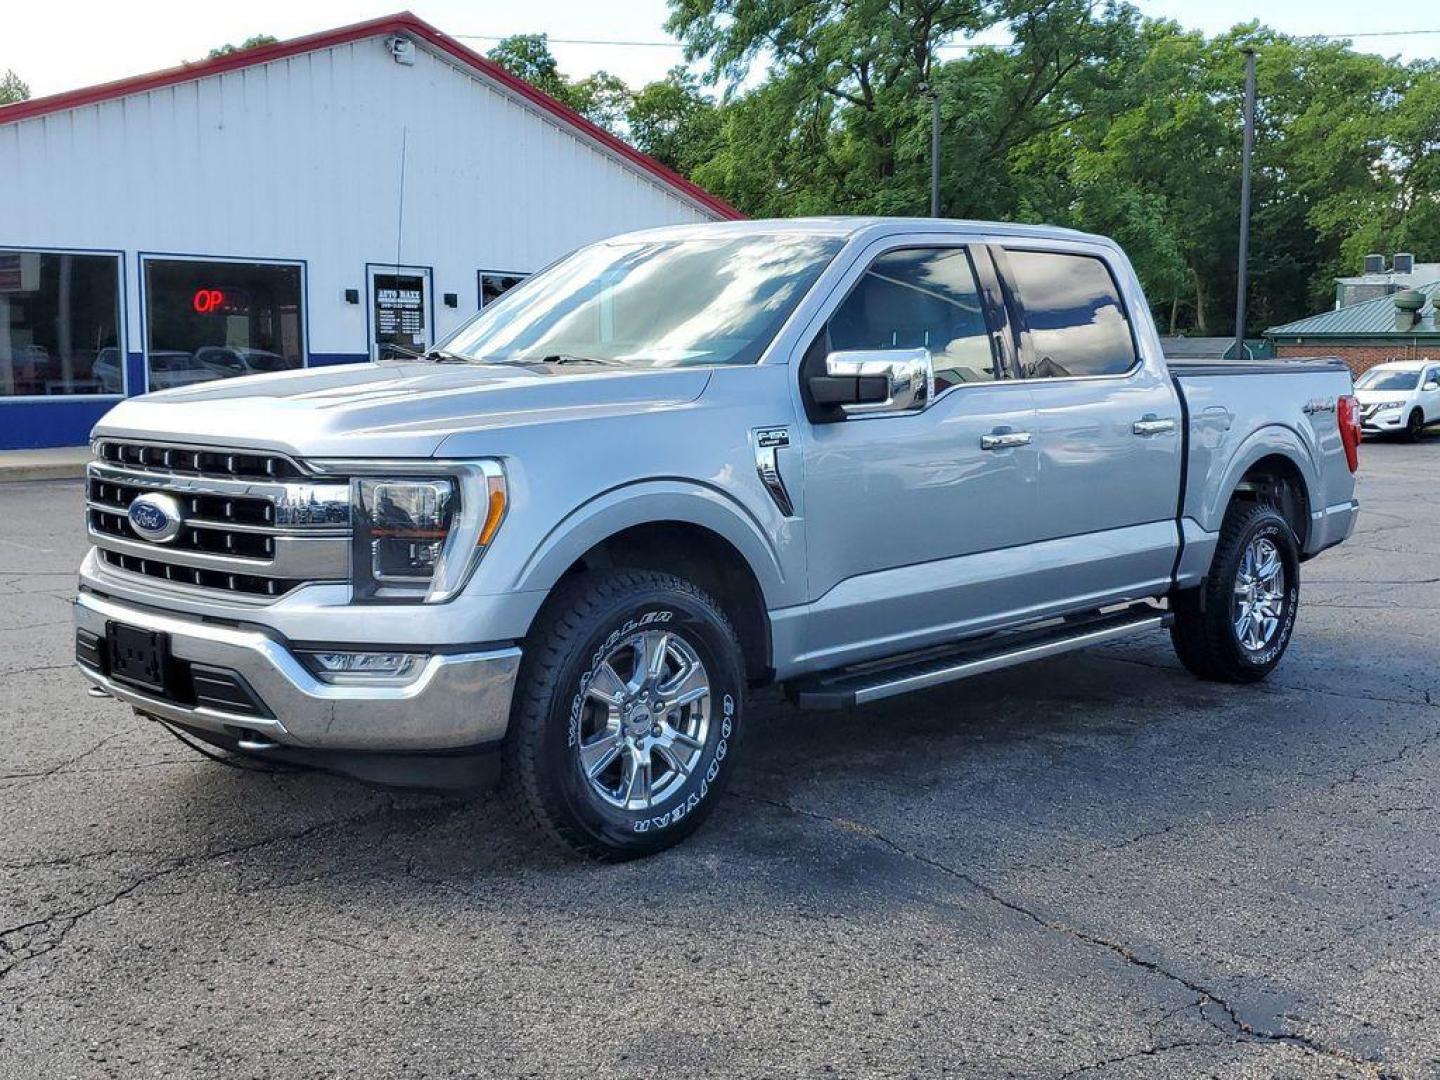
x=852, y=227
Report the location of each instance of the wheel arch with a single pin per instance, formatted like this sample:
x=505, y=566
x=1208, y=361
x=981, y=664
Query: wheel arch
x=1273, y=464
x=694, y=532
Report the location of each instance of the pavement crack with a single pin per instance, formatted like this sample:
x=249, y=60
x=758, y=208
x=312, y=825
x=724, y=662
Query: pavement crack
x=1134, y=1055
x=40, y=774
x=60, y=924
x=1236, y=1025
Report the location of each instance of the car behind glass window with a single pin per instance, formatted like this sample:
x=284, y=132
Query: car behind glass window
x=1073, y=316
x=920, y=298
x=59, y=324
x=216, y=320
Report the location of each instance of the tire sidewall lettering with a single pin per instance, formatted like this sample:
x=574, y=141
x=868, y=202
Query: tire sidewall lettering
x=696, y=797
x=1283, y=544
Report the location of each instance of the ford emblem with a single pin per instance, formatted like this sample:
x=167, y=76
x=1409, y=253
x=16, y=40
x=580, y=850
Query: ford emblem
x=156, y=517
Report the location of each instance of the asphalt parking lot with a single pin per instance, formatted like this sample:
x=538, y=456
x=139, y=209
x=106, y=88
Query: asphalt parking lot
x=1096, y=865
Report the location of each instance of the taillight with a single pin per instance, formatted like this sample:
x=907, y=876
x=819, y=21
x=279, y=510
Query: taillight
x=1347, y=413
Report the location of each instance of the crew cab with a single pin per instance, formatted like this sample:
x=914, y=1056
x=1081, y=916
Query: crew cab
x=857, y=457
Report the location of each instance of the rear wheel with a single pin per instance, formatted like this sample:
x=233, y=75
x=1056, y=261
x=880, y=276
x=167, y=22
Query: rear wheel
x=627, y=714
x=1236, y=626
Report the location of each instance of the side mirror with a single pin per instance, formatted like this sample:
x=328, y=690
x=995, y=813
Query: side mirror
x=863, y=382
x=1431, y=386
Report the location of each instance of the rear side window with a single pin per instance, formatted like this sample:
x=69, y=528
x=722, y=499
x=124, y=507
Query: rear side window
x=920, y=298
x=1073, y=315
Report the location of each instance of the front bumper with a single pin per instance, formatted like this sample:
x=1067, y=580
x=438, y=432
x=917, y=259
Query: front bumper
x=1383, y=423
x=459, y=700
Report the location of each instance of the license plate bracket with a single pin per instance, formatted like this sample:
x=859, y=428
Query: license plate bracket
x=137, y=656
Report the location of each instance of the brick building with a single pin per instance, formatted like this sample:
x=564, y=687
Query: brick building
x=1368, y=333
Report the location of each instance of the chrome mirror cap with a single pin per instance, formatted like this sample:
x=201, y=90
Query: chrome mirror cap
x=909, y=376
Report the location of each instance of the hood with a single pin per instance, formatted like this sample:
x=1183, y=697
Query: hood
x=1370, y=396
x=391, y=410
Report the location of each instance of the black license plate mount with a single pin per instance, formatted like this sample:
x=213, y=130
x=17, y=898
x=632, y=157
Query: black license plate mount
x=137, y=656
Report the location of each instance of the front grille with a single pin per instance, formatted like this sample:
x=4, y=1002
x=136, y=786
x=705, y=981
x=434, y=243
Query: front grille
x=249, y=584
x=210, y=520
x=196, y=461
x=244, y=531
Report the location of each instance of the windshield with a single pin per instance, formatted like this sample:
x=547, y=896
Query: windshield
x=1378, y=379
x=671, y=303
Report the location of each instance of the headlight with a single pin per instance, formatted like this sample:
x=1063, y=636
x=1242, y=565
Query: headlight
x=420, y=537
x=1386, y=406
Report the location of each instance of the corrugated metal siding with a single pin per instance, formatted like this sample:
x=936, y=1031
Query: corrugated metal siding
x=1369, y=318
x=301, y=158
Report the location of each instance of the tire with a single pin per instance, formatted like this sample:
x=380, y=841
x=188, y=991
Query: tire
x=583, y=693
x=1415, y=426
x=1205, y=632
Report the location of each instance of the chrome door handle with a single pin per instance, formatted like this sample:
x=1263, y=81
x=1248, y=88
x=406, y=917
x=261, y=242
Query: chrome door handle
x=1004, y=440
x=1152, y=426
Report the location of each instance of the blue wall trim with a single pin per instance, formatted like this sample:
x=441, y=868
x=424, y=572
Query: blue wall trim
x=327, y=359
x=28, y=425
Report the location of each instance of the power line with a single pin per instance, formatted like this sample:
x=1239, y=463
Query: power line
x=634, y=44
x=576, y=41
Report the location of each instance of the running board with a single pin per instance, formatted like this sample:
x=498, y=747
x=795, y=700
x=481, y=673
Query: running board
x=862, y=684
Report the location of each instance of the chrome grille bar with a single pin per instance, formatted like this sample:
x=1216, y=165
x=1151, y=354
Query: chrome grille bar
x=244, y=531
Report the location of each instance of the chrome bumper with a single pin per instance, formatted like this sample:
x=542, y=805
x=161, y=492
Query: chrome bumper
x=457, y=699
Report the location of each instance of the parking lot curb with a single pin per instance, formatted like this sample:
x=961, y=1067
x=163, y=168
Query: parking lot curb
x=56, y=463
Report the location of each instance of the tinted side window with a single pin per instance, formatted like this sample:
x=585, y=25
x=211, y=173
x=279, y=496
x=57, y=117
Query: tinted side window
x=1073, y=314
x=920, y=298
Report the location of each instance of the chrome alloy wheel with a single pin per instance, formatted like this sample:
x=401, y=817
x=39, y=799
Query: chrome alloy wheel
x=1259, y=596
x=646, y=713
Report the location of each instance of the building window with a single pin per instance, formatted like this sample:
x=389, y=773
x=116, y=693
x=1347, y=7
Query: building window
x=60, y=324
x=494, y=285
x=215, y=320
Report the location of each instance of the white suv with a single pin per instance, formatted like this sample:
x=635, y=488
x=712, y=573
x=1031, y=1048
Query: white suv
x=1401, y=397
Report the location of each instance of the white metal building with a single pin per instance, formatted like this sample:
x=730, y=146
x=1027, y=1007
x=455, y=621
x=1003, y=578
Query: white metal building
x=324, y=200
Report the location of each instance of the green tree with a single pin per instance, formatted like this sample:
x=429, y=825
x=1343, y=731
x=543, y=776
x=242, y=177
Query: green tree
x=13, y=88
x=251, y=42
x=673, y=121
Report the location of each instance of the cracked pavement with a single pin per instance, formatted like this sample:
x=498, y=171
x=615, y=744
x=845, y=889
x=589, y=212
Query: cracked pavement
x=1095, y=866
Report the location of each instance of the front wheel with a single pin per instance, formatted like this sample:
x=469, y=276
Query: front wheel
x=627, y=714
x=1415, y=426
x=1236, y=626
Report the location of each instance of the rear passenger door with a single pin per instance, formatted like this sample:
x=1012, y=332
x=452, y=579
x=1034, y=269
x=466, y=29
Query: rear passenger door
x=1108, y=434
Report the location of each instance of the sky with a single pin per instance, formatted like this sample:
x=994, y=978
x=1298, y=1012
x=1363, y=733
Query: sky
x=57, y=45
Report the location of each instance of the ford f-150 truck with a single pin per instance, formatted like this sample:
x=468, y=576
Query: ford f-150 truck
x=857, y=457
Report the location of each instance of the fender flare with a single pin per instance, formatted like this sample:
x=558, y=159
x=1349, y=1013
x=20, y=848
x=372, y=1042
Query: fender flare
x=1272, y=440
x=647, y=503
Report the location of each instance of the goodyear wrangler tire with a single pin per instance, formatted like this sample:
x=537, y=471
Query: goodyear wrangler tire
x=627, y=714
x=1236, y=626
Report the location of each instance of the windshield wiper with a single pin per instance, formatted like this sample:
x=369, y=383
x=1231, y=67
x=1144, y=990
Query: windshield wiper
x=436, y=356
x=571, y=358
x=445, y=356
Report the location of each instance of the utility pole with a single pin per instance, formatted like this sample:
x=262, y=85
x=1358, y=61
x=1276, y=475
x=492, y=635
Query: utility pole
x=1242, y=285
x=929, y=92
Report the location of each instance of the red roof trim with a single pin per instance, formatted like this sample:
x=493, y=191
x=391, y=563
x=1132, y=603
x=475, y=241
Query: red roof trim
x=404, y=22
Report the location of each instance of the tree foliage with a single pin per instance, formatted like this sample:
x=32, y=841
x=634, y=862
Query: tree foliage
x=13, y=88
x=252, y=42
x=1093, y=117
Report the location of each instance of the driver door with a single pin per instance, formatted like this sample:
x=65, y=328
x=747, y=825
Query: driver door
x=917, y=521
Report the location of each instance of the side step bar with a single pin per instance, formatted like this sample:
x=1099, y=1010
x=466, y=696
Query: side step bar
x=862, y=684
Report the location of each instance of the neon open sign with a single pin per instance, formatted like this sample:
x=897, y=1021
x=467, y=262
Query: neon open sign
x=206, y=301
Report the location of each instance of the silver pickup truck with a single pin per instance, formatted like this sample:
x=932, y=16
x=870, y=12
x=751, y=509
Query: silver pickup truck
x=857, y=457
